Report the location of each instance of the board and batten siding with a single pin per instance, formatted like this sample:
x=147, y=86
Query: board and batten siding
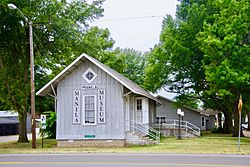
x=113, y=128
x=169, y=110
x=166, y=109
x=192, y=117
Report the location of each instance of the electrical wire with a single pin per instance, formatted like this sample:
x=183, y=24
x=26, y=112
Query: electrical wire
x=130, y=18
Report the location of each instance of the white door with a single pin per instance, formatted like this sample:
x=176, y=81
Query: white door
x=138, y=110
x=145, y=111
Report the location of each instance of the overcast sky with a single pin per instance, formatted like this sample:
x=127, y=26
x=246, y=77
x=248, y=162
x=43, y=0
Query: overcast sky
x=135, y=23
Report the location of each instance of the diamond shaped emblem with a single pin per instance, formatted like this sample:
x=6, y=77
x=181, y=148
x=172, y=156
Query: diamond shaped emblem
x=89, y=75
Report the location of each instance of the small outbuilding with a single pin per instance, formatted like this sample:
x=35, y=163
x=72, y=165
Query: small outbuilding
x=96, y=106
x=9, y=123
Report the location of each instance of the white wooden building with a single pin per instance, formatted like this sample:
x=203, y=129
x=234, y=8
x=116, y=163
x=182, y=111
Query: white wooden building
x=96, y=106
x=167, y=111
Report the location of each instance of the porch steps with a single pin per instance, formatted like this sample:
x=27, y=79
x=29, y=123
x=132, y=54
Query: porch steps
x=135, y=138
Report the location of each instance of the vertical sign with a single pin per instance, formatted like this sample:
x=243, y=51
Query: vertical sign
x=76, y=107
x=43, y=121
x=239, y=109
x=101, y=106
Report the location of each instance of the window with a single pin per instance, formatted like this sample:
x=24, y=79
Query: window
x=89, y=110
x=139, y=104
x=89, y=75
x=203, y=121
x=160, y=119
x=163, y=119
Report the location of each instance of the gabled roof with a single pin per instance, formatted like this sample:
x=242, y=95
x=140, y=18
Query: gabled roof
x=133, y=87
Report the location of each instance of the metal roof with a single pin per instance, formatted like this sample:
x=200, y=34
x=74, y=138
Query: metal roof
x=8, y=114
x=133, y=87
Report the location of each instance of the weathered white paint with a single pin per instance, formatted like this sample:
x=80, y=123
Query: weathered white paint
x=140, y=116
x=111, y=108
x=168, y=109
x=114, y=126
x=127, y=108
x=46, y=90
x=152, y=111
x=145, y=111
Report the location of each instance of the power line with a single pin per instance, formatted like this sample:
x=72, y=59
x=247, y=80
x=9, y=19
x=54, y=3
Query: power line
x=130, y=18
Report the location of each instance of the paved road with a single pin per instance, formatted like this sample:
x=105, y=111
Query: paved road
x=123, y=160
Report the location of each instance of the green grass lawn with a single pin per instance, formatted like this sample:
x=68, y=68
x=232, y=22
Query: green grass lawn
x=208, y=144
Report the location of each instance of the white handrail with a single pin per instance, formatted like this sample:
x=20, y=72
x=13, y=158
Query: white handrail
x=173, y=124
x=145, y=129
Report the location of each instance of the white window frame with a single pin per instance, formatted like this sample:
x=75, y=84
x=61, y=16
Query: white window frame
x=203, y=122
x=83, y=109
x=141, y=112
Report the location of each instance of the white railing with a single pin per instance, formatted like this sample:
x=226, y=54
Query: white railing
x=143, y=129
x=184, y=125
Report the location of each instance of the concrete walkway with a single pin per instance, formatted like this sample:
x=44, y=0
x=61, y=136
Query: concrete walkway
x=14, y=138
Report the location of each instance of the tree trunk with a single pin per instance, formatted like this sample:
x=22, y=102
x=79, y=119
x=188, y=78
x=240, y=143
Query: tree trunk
x=228, y=122
x=220, y=121
x=22, y=127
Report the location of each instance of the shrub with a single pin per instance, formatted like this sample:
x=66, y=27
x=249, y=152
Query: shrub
x=217, y=130
x=50, y=130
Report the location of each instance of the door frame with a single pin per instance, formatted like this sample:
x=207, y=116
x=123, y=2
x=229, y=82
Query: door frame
x=203, y=127
x=136, y=111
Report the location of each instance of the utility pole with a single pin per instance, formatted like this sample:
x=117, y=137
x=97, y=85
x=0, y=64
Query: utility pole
x=32, y=86
x=32, y=77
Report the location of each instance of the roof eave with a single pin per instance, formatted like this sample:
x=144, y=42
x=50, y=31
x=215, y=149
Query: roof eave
x=46, y=90
x=47, y=86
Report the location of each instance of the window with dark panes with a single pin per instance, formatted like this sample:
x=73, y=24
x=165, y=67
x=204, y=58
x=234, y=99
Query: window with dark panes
x=89, y=109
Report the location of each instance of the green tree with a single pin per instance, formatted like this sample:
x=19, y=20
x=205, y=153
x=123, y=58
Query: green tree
x=50, y=130
x=225, y=44
x=134, y=64
x=203, y=54
x=175, y=63
x=66, y=23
